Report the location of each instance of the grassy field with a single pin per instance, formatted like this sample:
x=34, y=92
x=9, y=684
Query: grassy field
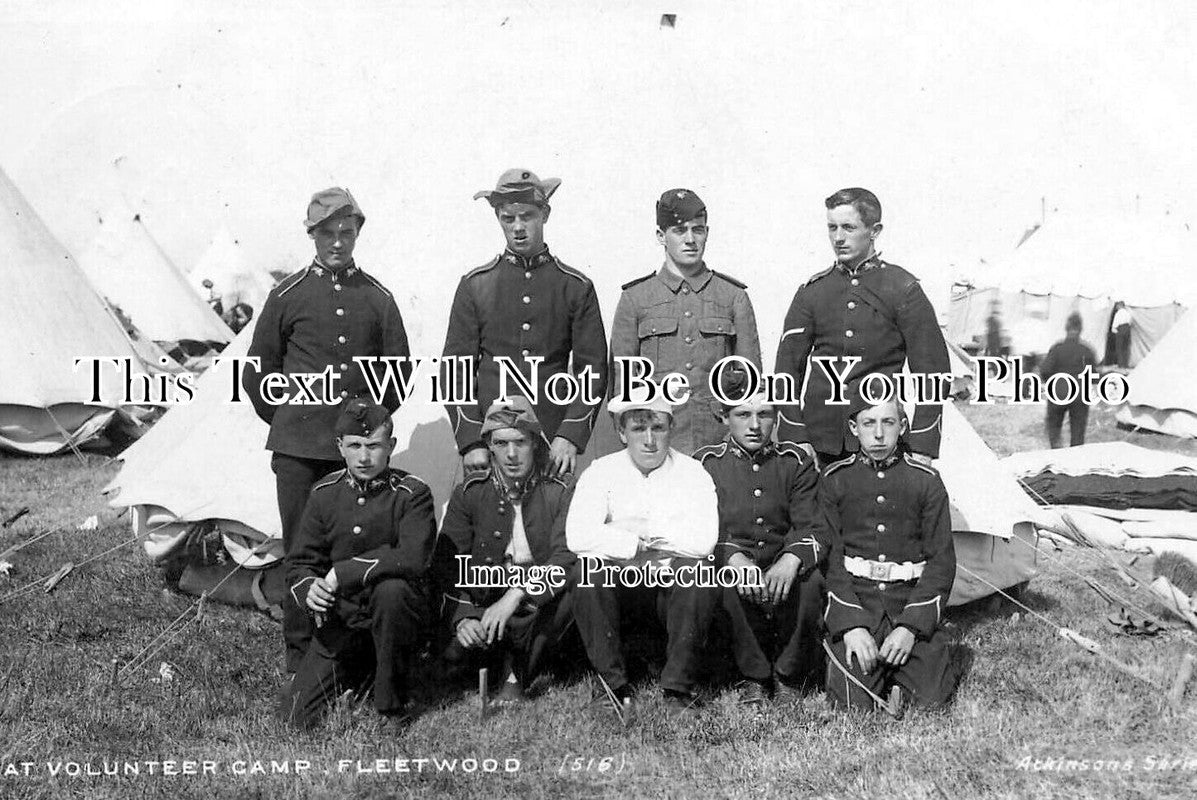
x=1030, y=702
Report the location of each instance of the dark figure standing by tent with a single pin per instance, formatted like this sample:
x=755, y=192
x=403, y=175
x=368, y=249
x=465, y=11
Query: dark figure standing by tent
x=859, y=307
x=1120, y=327
x=890, y=571
x=319, y=318
x=512, y=514
x=1069, y=356
x=358, y=564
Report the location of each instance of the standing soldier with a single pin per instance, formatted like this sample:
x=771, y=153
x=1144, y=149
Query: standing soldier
x=319, y=318
x=890, y=571
x=524, y=304
x=767, y=520
x=685, y=317
x=859, y=307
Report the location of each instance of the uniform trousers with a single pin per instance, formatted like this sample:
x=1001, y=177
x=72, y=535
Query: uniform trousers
x=379, y=632
x=685, y=611
x=928, y=677
x=294, y=478
x=1078, y=418
x=530, y=636
x=782, y=640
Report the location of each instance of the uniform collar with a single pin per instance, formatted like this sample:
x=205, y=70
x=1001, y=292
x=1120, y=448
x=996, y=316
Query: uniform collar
x=528, y=262
x=508, y=489
x=884, y=463
x=674, y=281
x=872, y=261
x=347, y=271
x=763, y=454
x=666, y=465
x=372, y=486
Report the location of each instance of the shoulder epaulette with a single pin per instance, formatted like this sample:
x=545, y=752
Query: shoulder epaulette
x=636, y=281
x=717, y=450
x=329, y=480
x=820, y=274
x=914, y=462
x=291, y=281
x=838, y=465
x=568, y=270
x=489, y=265
x=401, y=479
x=729, y=279
x=564, y=482
x=788, y=448
x=476, y=476
x=376, y=282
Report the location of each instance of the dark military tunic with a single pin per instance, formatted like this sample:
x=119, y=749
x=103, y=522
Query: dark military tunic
x=525, y=307
x=378, y=536
x=316, y=319
x=877, y=312
x=894, y=511
x=686, y=325
x=767, y=509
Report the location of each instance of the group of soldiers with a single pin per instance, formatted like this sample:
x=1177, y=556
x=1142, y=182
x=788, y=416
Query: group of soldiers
x=832, y=507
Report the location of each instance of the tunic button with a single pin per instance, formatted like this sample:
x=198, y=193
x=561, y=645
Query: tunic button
x=525, y=352
x=881, y=558
x=336, y=287
x=856, y=281
x=527, y=274
x=654, y=330
x=756, y=467
x=880, y=474
x=760, y=520
x=527, y=299
x=357, y=528
x=685, y=290
x=489, y=560
x=344, y=393
x=498, y=534
x=851, y=304
x=849, y=334
x=756, y=492
x=527, y=326
x=687, y=314
x=689, y=365
x=881, y=529
x=689, y=339
x=880, y=498
x=344, y=367
x=341, y=339
x=720, y=328
x=760, y=544
x=361, y=501
x=340, y=312
x=881, y=587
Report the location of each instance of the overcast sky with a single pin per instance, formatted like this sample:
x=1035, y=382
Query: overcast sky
x=199, y=115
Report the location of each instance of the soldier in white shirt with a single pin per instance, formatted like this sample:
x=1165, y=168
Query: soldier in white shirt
x=648, y=507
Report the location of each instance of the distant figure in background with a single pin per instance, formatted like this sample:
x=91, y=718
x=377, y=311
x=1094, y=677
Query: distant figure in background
x=993, y=331
x=1069, y=356
x=240, y=316
x=215, y=301
x=1120, y=326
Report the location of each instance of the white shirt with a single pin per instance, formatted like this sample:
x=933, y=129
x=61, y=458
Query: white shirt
x=677, y=502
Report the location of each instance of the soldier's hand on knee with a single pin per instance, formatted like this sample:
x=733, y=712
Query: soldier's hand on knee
x=859, y=642
x=747, y=589
x=896, y=648
x=470, y=633
x=321, y=596
x=780, y=577
x=475, y=460
x=563, y=455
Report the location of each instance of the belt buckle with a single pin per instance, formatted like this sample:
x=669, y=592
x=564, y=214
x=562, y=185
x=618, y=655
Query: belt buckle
x=879, y=570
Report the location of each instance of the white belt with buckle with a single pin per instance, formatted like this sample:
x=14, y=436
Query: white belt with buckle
x=883, y=570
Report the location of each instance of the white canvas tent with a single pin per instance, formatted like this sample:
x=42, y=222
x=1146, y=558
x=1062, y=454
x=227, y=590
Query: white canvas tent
x=1083, y=265
x=206, y=460
x=232, y=273
x=52, y=317
x=1163, y=395
x=129, y=268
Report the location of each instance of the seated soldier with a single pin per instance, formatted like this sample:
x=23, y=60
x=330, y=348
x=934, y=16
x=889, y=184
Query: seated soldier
x=511, y=514
x=767, y=520
x=890, y=570
x=359, y=564
x=645, y=507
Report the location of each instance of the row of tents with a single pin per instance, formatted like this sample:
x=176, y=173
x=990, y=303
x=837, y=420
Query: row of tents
x=122, y=299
